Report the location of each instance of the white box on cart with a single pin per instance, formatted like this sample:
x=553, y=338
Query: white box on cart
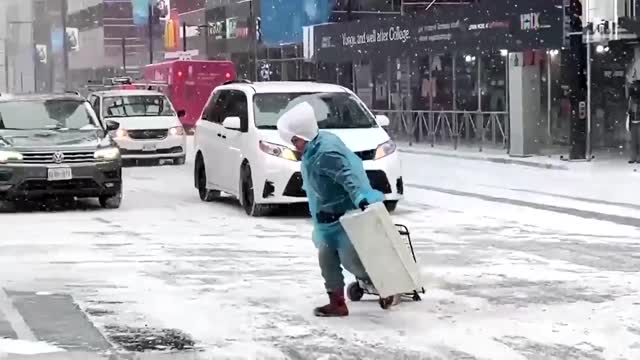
x=384, y=254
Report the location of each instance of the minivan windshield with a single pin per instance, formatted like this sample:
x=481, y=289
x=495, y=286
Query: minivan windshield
x=47, y=114
x=333, y=110
x=136, y=105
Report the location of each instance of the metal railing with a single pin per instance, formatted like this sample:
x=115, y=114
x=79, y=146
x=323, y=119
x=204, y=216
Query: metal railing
x=474, y=128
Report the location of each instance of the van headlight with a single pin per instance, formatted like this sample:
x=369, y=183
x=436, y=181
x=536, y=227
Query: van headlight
x=385, y=149
x=111, y=153
x=7, y=156
x=278, y=150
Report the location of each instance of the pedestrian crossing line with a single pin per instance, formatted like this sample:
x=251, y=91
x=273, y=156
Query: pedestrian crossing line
x=14, y=318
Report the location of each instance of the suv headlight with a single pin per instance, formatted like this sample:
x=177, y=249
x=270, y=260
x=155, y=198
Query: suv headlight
x=278, y=150
x=7, y=156
x=119, y=134
x=175, y=131
x=107, y=154
x=385, y=149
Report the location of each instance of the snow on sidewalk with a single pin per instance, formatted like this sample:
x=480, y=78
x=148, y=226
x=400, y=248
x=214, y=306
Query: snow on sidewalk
x=593, y=194
x=24, y=347
x=604, y=160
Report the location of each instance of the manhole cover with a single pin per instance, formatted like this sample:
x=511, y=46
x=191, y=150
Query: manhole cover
x=149, y=339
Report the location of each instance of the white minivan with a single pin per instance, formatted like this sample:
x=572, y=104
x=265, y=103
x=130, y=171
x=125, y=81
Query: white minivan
x=239, y=152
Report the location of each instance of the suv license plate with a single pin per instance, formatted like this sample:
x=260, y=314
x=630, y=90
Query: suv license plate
x=149, y=147
x=59, y=173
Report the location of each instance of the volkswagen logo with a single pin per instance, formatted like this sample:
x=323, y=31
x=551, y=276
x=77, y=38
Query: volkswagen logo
x=58, y=157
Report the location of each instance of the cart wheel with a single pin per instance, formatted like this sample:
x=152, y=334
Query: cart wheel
x=416, y=296
x=354, y=291
x=386, y=303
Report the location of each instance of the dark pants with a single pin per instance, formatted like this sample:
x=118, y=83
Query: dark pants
x=330, y=260
x=635, y=141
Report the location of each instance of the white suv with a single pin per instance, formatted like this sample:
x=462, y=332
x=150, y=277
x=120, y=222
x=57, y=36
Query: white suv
x=150, y=128
x=239, y=152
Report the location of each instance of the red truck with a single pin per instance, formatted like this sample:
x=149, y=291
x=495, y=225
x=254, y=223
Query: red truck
x=188, y=83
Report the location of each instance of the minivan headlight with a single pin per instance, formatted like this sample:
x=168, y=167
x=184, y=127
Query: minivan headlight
x=111, y=153
x=385, y=149
x=175, y=131
x=7, y=156
x=278, y=150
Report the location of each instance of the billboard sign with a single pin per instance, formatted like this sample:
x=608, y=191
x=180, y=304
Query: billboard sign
x=282, y=21
x=41, y=53
x=160, y=11
x=73, y=39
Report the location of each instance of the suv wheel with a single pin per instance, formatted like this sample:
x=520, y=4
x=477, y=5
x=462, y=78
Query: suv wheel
x=111, y=201
x=247, y=194
x=200, y=175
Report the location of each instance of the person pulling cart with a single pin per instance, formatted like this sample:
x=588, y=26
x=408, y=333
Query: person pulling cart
x=335, y=182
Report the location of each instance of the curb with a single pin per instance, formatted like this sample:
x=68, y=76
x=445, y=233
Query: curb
x=493, y=159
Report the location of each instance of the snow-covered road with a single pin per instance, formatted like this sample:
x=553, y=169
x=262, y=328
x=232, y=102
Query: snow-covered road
x=520, y=263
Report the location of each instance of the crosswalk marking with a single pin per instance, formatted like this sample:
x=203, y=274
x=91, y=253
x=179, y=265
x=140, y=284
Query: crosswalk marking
x=14, y=318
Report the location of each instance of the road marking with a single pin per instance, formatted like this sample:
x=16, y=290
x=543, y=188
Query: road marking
x=14, y=318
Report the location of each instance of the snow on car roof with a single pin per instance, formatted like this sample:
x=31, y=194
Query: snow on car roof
x=125, y=92
x=291, y=87
x=40, y=97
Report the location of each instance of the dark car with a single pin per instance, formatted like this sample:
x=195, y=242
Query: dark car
x=54, y=146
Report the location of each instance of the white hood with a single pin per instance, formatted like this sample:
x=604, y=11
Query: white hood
x=355, y=139
x=146, y=122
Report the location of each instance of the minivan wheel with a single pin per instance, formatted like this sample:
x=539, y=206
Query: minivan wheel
x=247, y=197
x=111, y=201
x=201, y=181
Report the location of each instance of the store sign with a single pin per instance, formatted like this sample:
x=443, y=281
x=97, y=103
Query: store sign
x=218, y=29
x=394, y=33
x=466, y=28
x=236, y=29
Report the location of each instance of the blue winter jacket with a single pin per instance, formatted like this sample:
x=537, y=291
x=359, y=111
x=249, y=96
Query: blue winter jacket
x=335, y=182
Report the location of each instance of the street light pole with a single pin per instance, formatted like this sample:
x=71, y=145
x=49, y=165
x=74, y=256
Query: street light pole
x=33, y=35
x=65, y=44
x=184, y=36
x=6, y=64
x=150, y=25
x=588, y=130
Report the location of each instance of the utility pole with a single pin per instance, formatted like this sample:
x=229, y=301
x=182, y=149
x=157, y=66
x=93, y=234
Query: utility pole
x=65, y=44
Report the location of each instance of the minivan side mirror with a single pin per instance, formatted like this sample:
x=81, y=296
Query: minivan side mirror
x=181, y=113
x=383, y=120
x=231, y=123
x=112, y=125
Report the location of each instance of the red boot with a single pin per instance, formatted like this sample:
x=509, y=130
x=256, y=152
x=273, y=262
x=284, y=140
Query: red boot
x=336, y=306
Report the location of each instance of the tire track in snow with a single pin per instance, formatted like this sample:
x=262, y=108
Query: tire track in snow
x=585, y=214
